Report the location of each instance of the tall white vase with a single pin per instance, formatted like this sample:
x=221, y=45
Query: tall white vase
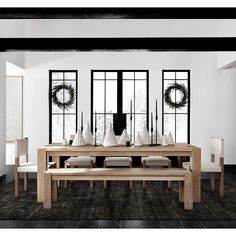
x=145, y=135
x=110, y=138
x=123, y=138
x=78, y=140
x=170, y=139
x=87, y=134
x=138, y=141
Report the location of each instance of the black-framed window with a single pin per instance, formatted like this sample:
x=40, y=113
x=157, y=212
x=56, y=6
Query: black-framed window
x=176, y=120
x=62, y=121
x=112, y=91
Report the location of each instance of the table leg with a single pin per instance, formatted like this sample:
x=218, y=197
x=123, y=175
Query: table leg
x=41, y=168
x=196, y=171
x=47, y=202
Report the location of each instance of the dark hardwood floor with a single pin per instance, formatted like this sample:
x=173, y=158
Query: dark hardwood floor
x=230, y=176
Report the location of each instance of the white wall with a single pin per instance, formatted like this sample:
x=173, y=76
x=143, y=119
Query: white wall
x=18, y=59
x=212, y=91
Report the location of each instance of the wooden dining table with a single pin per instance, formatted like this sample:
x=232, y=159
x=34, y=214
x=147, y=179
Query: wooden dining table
x=176, y=150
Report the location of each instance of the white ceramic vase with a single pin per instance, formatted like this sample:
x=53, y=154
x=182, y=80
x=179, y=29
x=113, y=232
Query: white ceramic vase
x=123, y=138
x=78, y=140
x=64, y=142
x=164, y=140
x=145, y=135
x=110, y=138
x=87, y=134
x=138, y=141
x=170, y=139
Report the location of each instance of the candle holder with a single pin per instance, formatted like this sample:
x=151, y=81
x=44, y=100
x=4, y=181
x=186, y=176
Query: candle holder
x=95, y=137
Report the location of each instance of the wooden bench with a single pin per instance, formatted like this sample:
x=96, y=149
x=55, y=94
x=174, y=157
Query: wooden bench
x=184, y=177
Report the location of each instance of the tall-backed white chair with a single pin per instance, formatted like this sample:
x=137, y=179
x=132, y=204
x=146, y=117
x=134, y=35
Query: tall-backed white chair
x=157, y=162
x=216, y=165
x=80, y=161
x=21, y=150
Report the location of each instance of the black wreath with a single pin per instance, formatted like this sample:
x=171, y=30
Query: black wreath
x=67, y=104
x=183, y=91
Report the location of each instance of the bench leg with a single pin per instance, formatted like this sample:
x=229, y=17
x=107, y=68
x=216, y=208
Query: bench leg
x=130, y=182
x=188, y=191
x=17, y=181
x=65, y=182
x=54, y=191
x=144, y=166
x=169, y=182
x=47, y=202
x=91, y=182
x=181, y=191
x=104, y=182
x=213, y=181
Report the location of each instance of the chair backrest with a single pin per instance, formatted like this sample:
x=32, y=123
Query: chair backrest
x=21, y=149
x=217, y=148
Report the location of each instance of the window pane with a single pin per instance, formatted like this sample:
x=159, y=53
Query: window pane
x=169, y=75
x=109, y=118
x=98, y=96
x=128, y=95
x=169, y=124
x=100, y=127
x=111, y=96
x=72, y=108
x=99, y=75
x=111, y=75
x=179, y=97
x=141, y=75
x=181, y=75
x=181, y=128
x=128, y=75
x=57, y=128
x=167, y=108
x=55, y=108
x=70, y=125
x=140, y=96
x=57, y=75
x=70, y=75
x=139, y=120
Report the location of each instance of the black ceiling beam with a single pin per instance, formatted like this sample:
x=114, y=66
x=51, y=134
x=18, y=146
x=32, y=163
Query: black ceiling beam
x=118, y=44
x=118, y=13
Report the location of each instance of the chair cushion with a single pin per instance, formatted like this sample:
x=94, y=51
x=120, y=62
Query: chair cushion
x=81, y=161
x=30, y=167
x=205, y=166
x=156, y=161
x=118, y=161
x=27, y=168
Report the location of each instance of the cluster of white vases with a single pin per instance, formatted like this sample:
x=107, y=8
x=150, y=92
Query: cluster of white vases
x=110, y=140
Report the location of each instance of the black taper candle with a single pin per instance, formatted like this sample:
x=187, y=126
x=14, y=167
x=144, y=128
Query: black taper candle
x=156, y=120
x=130, y=122
x=151, y=128
x=82, y=122
x=95, y=130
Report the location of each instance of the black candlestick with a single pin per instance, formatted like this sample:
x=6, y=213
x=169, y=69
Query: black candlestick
x=95, y=130
x=156, y=121
x=151, y=129
x=131, y=122
x=82, y=122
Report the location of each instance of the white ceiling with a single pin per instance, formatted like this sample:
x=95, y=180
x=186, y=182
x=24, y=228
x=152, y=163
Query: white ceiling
x=50, y=28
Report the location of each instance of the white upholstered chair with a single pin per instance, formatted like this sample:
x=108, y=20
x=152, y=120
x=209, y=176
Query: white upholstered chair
x=216, y=165
x=80, y=161
x=157, y=162
x=21, y=150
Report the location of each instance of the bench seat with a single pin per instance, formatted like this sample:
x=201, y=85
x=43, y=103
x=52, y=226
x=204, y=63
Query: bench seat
x=100, y=174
